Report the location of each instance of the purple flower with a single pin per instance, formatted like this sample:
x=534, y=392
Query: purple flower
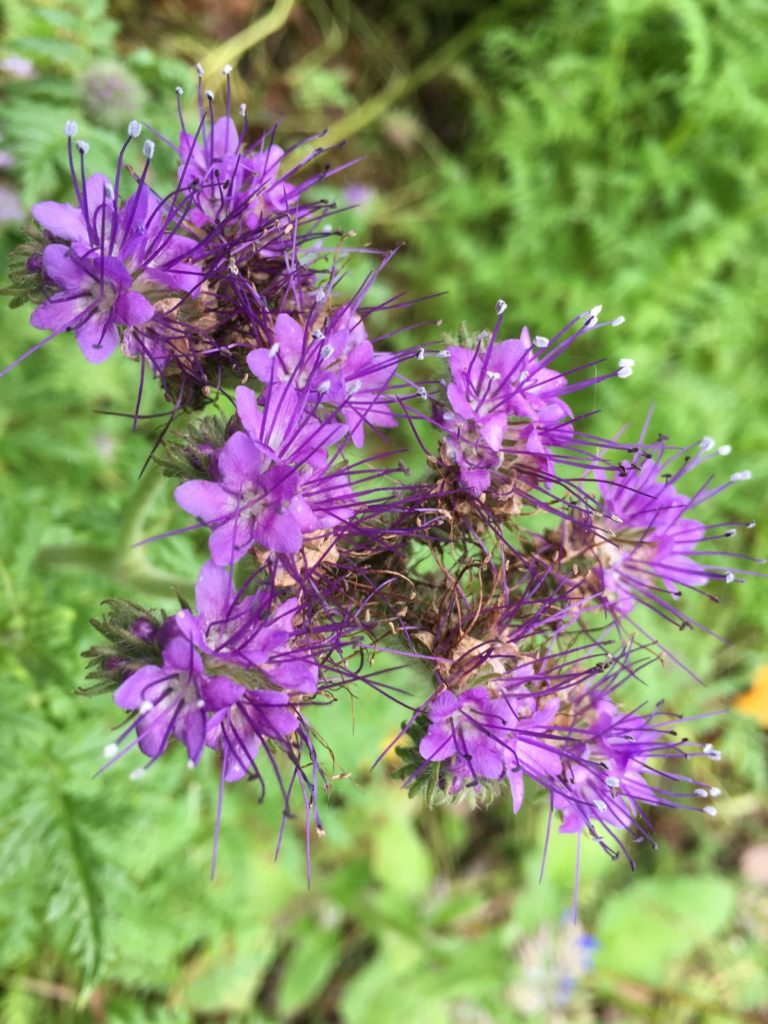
x=172, y=700
x=485, y=738
x=250, y=630
x=609, y=755
x=646, y=537
x=118, y=261
x=240, y=730
x=337, y=364
x=276, y=483
x=507, y=403
x=231, y=181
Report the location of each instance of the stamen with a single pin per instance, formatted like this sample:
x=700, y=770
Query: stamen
x=501, y=307
x=134, y=129
x=743, y=474
x=111, y=750
x=540, y=341
x=724, y=449
x=70, y=129
x=149, y=149
x=82, y=147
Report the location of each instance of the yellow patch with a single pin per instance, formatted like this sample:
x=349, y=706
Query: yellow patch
x=754, y=701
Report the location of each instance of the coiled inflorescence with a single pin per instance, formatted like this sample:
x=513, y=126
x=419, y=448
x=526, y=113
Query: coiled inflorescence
x=506, y=572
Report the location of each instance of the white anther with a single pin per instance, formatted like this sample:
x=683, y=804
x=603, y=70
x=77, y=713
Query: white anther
x=707, y=443
x=134, y=129
x=751, y=524
x=137, y=774
x=149, y=149
x=70, y=129
x=199, y=69
x=729, y=577
x=711, y=752
x=701, y=792
x=422, y=393
x=111, y=750
x=109, y=192
x=715, y=792
x=540, y=341
x=743, y=474
x=208, y=94
x=524, y=375
x=492, y=375
x=612, y=782
x=190, y=764
x=710, y=810
x=445, y=354
x=226, y=70
x=724, y=449
x=601, y=805
x=179, y=91
x=623, y=372
x=325, y=351
x=200, y=704
x=353, y=387
x=501, y=307
x=626, y=362
x=324, y=387
x=82, y=147
x=242, y=110
x=274, y=349
x=618, y=321
x=729, y=533
x=420, y=356
x=145, y=706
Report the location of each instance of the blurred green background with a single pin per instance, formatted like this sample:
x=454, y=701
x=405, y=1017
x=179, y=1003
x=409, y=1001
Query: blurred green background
x=556, y=154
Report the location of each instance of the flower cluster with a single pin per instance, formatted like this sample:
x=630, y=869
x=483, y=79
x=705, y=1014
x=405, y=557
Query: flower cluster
x=505, y=574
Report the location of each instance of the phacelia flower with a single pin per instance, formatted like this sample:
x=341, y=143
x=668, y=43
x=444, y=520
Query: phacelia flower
x=337, y=364
x=646, y=537
x=484, y=738
x=276, y=482
x=506, y=401
x=173, y=699
x=116, y=263
x=249, y=630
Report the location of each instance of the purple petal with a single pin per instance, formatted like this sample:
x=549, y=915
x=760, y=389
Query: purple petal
x=97, y=337
x=239, y=461
x=231, y=541
x=141, y=686
x=190, y=730
x=60, y=312
x=63, y=270
x=438, y=744
x=250, y=416
x=61, y=220
x=214, y=592
x=280, y=532
x=221, y=692
x=179, y=655
x=205, y=500
x=133, y=309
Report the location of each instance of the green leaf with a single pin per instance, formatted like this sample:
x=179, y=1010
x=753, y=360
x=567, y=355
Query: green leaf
x=308, y=967
x=647, y=927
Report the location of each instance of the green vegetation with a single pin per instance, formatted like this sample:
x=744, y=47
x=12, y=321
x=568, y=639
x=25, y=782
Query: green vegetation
x=556, y=155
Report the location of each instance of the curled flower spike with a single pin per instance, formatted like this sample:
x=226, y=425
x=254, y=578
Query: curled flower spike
x=504, y=559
